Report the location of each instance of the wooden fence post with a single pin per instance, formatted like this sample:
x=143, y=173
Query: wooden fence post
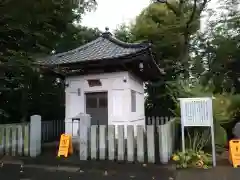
x=20, y=140
x=111, y=142
x=150, y=143
x=14, y=140
x=84, y=129
x=35, y=135
x=121, y=143
x=169, y=129
x=130, y=143
x=140, y=144
x=2, y=139
x=7, y=139
x=93, y=141
x=163, y=144
x=102, y=142
x=26, y=142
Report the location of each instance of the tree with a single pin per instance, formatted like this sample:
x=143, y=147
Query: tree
x=123, y=33
x=169, y=27
x=33, y=28
x=216, y=64
x=218, y=48
x=186, y=16
x=76, y=36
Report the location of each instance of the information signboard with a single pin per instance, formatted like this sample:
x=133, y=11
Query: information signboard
x=197, y=112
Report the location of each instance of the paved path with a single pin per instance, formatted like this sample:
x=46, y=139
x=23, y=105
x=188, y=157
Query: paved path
x=40, y=172
x=47, y=166
x=113, y=172
x=218, y=173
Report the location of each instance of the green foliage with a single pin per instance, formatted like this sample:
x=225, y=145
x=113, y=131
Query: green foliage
x=123, y=33
x=164, y=28
x=75, y=36
x=221, y=139
x=219, y=48
x=191, y=158
x=159, y=24
x=225, y=106
x=36, y=28
x=197, y=138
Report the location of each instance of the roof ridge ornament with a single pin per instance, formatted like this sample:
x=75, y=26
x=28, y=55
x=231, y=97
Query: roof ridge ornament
x=106, y=33
x=106, y=29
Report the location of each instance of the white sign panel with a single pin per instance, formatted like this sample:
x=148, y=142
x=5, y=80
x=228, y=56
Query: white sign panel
x=196, y=111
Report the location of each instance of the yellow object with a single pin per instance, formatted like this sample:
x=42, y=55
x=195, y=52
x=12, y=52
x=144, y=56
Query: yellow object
x=65, y=146
x=234, y=152
x=176, y=158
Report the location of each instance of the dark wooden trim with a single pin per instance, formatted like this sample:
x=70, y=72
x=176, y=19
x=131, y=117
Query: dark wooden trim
x=129, y=63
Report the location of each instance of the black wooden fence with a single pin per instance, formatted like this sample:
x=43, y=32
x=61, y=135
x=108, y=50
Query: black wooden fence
x=52, y=130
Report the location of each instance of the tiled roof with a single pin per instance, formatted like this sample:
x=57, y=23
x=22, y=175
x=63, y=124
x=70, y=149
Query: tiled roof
x=104, y=47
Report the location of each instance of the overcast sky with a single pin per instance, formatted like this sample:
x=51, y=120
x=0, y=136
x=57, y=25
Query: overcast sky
x=111, y=13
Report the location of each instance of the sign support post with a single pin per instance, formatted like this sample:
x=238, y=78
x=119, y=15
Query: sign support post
x=197, y=112
x=183, y=138
x=213, y=147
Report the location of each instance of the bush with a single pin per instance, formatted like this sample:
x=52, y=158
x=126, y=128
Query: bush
x=226, y=106
x=191, y=158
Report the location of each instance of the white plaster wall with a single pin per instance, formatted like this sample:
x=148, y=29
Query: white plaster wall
x=119, y=98
x=138, y=117
x=111, y=82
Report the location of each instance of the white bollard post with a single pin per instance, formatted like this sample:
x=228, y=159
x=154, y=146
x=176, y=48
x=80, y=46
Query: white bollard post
x=35, y=135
